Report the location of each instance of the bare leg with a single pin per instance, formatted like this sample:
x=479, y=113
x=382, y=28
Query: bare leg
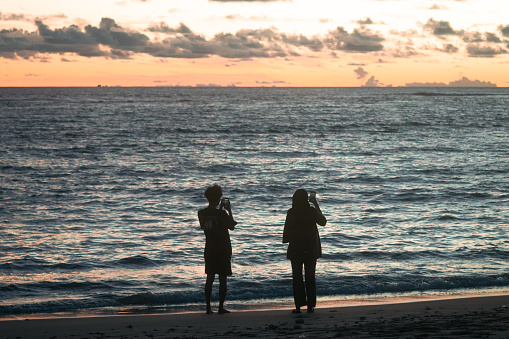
x=222, y=293
x=208, y=291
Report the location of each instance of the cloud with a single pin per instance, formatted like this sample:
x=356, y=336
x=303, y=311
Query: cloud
x=504, y=30
x=473, y=37
x=12, y=17
x=313, y=44
x=439, y=28
x=449, y=48
x=481, y=51
x=162, y=27
x=325, y=20
x=372, y=82
x=278, y=82
x=463, y=82
x=366, y=21
x=112, y=41
x=29, y=18
x=361, y=73
x=360, y=40
x=71, y=39
x=246, y=43
x=492, y=37
x=438, y=7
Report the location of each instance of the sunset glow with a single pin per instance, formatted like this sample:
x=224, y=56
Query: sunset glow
x=253, y=43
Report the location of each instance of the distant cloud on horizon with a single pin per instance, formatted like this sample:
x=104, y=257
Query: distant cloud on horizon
x=463, y=82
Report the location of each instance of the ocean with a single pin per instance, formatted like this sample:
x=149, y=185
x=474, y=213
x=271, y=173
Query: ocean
x=100, y=189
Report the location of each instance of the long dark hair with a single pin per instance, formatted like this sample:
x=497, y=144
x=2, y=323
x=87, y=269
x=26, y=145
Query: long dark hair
x=300, y=200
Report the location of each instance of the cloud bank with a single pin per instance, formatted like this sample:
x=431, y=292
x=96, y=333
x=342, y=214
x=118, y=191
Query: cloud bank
x=463, y=82
x=110, y=40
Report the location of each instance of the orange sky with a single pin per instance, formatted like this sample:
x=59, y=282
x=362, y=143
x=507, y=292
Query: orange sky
x=253, y=43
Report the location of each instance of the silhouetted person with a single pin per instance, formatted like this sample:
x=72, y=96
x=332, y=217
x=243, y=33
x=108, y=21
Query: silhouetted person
x=216, y=220
x=304, y=247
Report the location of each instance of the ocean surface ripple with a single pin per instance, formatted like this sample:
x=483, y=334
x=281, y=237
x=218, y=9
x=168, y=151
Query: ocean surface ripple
x=100, y=188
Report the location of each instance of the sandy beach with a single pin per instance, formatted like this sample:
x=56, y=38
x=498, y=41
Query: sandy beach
x=460, y=317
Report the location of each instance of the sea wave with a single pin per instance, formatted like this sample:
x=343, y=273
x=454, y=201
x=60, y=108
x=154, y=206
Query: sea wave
x=267, y=289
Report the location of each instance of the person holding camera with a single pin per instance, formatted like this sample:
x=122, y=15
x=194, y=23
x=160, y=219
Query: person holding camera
x=304, y=248
x=215, y=221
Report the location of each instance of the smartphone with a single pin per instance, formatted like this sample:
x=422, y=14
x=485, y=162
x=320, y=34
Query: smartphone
x=312, y=196
x=226, y=203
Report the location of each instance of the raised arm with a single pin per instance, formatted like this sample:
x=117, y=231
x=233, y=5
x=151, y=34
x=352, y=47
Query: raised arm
x=320, y=219
x=231, y=222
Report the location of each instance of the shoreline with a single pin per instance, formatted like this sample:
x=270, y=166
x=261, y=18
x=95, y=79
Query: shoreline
x=265, y=304
x=469, y=316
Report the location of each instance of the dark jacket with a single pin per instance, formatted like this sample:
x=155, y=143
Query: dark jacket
x=302, y=234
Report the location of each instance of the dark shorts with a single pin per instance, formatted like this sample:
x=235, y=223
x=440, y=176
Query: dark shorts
x=222, y=266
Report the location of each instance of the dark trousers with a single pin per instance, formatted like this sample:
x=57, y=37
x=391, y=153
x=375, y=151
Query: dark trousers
x=304, y=294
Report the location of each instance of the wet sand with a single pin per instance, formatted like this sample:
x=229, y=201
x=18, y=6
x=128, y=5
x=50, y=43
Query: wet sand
x=465, y=317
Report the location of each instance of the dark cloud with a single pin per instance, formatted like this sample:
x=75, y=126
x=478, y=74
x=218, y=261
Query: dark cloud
x=110, y=40
x=12, y=17
x=72, y=39
x=439, y=28
x=366, y=21
x=313, y=44
x=360, y=40
x=481, y=51
x=110, y=34
x=246, y=43
x=180, y=43
x=361, y=73
x=492, y=37
x=475, y=37
x=504, y=30
x=449, y=48
x=162, y=27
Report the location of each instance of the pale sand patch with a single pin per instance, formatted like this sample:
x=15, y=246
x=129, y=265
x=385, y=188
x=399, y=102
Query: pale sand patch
x=467, y=317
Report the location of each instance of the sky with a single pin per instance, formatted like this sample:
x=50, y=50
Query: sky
x=315, y=43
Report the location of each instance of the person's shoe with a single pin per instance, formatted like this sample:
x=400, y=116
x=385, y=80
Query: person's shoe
x=311, y=309
x=223, y=311
x=297, y=310
x=209, y=312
